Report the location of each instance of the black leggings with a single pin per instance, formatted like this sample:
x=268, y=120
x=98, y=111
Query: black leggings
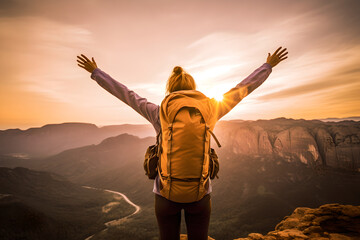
x=197, y=218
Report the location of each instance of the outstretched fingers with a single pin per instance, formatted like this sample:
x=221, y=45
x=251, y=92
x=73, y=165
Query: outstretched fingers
x=81, y=66
x=282, y=55
x=277, y=50
x=283, y=58
x=282, y=52
x=82, y=59
x=85, y=58
x=80, y=62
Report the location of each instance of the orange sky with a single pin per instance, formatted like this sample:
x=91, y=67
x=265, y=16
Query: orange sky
x=139, y=42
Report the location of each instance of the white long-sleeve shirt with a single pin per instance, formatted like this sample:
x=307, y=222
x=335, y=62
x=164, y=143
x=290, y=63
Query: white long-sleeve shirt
x=150, y=111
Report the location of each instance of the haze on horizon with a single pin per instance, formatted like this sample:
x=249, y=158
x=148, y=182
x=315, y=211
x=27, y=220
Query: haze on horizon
x=139, y=42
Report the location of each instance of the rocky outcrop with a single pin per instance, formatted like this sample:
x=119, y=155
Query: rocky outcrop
x=330, y=221
x=311, y=142
x=184, y=237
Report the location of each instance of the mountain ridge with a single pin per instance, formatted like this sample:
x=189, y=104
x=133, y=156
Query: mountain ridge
x=53, y=138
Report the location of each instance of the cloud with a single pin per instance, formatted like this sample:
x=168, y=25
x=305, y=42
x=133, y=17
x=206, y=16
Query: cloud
x=345, y=77
x=39, y=55
x=218, y=42
x=318, y=67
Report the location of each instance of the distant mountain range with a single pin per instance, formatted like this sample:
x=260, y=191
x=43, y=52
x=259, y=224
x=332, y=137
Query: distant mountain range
x=54, y=138
x=51, y=139
x=340, y=119
x=267, y=169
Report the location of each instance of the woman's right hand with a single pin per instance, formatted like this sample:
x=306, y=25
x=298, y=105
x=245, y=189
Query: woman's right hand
x=276, y=57
x=85, y=63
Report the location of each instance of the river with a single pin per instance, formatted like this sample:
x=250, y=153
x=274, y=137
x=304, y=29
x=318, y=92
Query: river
x=120, y=220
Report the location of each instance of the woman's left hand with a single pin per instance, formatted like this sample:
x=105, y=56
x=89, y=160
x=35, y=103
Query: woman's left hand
x=85, y=63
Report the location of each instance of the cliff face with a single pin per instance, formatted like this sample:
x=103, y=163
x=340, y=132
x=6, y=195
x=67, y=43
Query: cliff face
x=312, y=142
x=330, y=221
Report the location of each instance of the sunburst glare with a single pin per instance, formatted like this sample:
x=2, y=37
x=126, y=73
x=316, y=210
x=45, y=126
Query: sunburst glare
x=214, y=93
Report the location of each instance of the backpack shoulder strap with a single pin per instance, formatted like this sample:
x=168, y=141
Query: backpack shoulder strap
x=187, y=98
x=213, y=135
x=158, y=142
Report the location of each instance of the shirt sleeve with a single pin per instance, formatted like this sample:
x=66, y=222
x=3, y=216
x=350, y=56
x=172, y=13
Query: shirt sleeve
x=241, y=90
x=148, y=110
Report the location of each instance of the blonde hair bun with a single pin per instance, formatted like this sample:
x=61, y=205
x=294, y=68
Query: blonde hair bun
x=178, y=70
x=179, y=80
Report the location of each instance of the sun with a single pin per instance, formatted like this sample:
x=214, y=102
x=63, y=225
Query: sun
x=219, y=97
x=215, y=93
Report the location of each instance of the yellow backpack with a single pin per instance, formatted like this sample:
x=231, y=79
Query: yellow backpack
x=187, y=120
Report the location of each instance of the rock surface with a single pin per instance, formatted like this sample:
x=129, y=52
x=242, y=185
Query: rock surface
x=312, y=142
x=184, y=237
x=330, y=221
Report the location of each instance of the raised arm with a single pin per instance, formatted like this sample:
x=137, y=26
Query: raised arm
x=148, y=110
x=249, y=84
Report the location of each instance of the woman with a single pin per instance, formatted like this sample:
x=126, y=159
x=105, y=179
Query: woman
x=168, y=213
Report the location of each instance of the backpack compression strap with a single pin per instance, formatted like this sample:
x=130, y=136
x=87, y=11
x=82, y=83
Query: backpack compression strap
x=170, y=127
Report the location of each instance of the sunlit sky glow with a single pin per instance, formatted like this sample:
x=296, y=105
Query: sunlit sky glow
x=139, y=42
